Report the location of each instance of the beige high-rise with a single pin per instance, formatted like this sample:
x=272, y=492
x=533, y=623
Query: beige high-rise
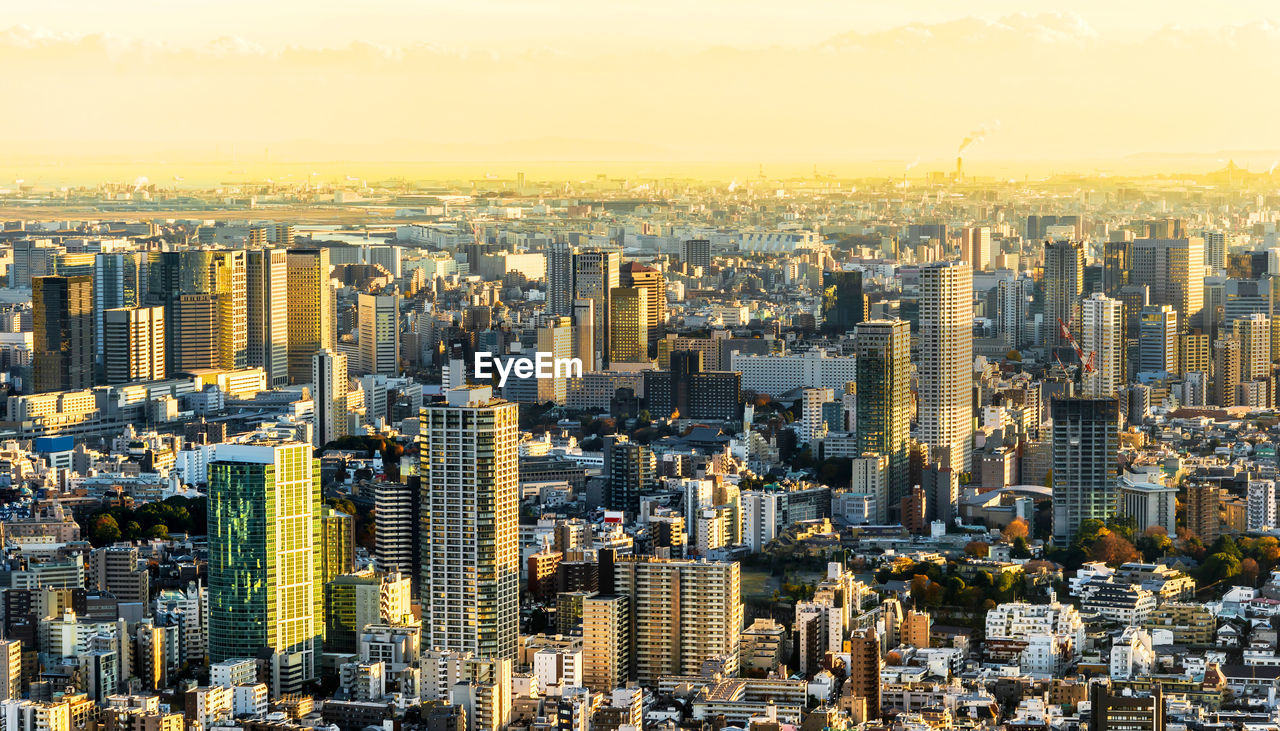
x=1174, y=271
x=946, y=363
x=133, y=344
x=686, y=612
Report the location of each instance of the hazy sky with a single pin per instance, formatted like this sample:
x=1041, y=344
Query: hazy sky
x=682, y=80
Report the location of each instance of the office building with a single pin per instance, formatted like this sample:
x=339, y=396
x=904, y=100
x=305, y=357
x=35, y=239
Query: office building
x=1123, y=712
x=1227, y=370
x=946, y=363
x=654, y=283
x=628, y=326
x=267, y=313
x=1063, y=286
x=395, y=546
x=688, y=392
x=1115, y=266
x=1085, y=443
x=310, y=310
x=584, y=327
x=560, y=270
x=595, y=276
x=133, y=344
x=379, y=325
x=63, y=340
x=1174, y=270
x=1158, y=339
x=1011, y=313
x=205, y=296
x=1254, y=334
x=264, y=590
x=470, y=586
x=1101, y=333
x=685, y=613
x=329, y=383
x=843, y=303
x=1203, y=512
x=119, y=280
x=864, y=671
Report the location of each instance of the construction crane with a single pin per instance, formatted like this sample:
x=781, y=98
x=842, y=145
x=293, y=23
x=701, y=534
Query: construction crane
x=1086, y=364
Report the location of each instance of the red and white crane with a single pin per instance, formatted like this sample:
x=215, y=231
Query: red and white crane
x=1086, y=364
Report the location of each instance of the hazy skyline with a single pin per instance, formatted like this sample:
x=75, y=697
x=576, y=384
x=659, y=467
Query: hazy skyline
x=802, y=82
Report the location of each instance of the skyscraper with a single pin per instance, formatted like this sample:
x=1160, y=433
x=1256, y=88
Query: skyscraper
x=1086, y=439
x=379, y=319
x=595, y=276
x=1158, y=339
x=584, y=342
x=1174, y=270
x=606, y=641
x=628, y=325
x=1063, y=285
x=196, y=288
x=1254, y=334
x=629, y=470
x=883, y=423
x=560, y=278
x=1011, y=312
x=685, y=613
x=329, y=379
x=843, y=304
x=946, y=362
x=133, y=344
x=1226, y=371
x=1101, y=332
x=864, y=671
x=311, y=309
x=267, y=313
x=1115, y=266
x=264, y=504
x=470, y=589
x=975, y=246
x=119, y=280
x=63, y=339
x=637, y=275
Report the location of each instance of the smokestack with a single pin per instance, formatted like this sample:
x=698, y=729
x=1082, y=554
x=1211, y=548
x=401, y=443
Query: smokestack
x=959, y=168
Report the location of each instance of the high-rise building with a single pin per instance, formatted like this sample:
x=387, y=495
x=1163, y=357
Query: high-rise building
x=1011, y=312
x=883, y=422
x=557, y=338
x=685, y=613
x=1254, y=334
x=470, y=587
x=1158, y=339
x=975, y=247
x=1193, y=354
x=1086, y=434
x=356, y=600
x=1215, y=251
x=584, y=342
x=1115, y=266
x=267, y=313
x=1174, y=270
x=1226, y=371
x=654, y=283
x=629, y=471
x=379, y=319
x=133, y=344
x=204, y=293
x=946, y=363
x=119, y=280
x=115, y=569
x=10, y=670
x=560, y=279
x=1063, y=285
x=1100, y=333
x=696, y=252
x=396, y=537
x=191, y=328
x=63, y=322
x=595, y=276
x=311, y=309
x=628, y=325
x=329, y=381
x=337, y=543
x=264, y=592
x=864, y=671
x=843, y=303
x=606, y=641
x=1203, y=512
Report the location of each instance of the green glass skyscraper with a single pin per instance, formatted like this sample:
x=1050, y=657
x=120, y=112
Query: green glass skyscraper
x=884, y=400
x=264, y=559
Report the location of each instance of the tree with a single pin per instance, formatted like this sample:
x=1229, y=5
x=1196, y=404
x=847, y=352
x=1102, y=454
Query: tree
x=1249, y=571
x=1015, y=530
x=159, y=530
x=1221, y=566
x=1154, y=543
x=977, y=548
x=1020, y=548
x=105, y=531
x=1113, y=549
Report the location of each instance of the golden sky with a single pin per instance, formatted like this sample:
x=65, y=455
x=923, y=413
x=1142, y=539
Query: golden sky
x=826, y=82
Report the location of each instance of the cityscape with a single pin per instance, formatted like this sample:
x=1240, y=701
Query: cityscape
x=418, y=387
